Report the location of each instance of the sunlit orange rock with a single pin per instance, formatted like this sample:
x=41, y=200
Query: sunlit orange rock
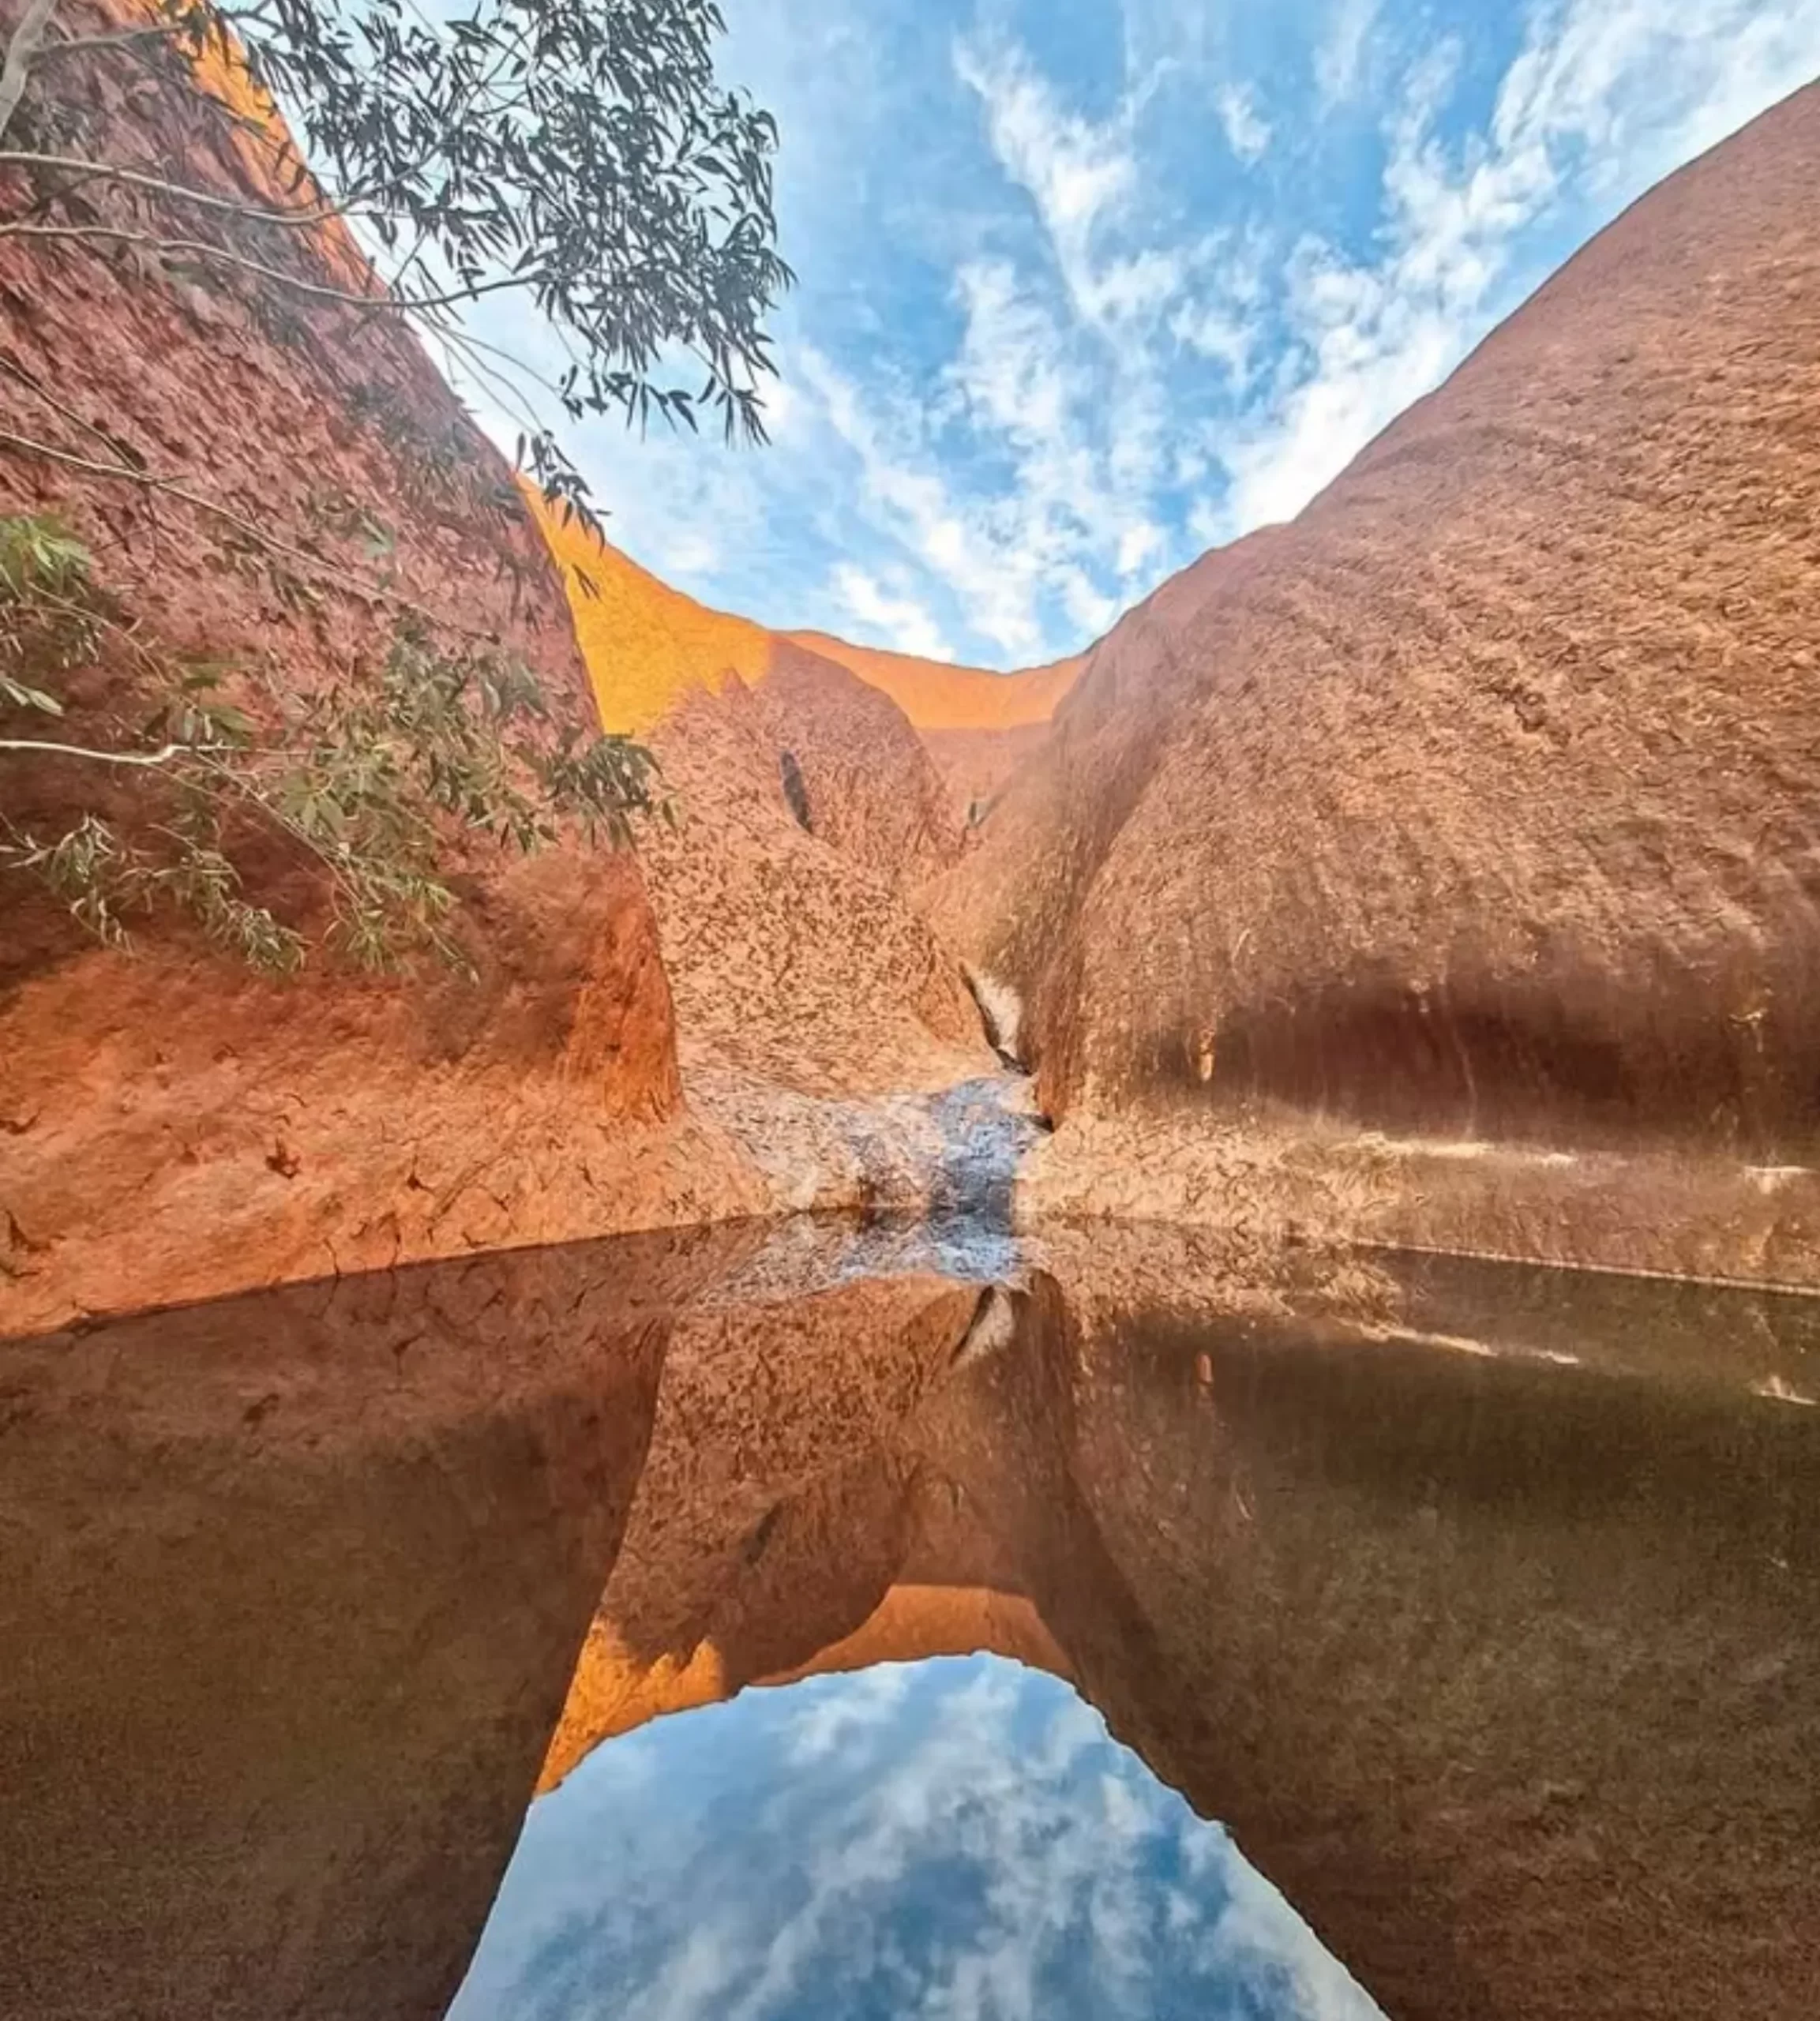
x=646, y=644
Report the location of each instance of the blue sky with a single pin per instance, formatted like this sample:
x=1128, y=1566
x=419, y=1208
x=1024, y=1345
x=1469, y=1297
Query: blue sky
x=1089, y=285
x=960, y=1839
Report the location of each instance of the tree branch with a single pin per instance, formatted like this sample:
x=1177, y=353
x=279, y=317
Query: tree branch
x=160, y=757
x=200, y=249
x=80, y=45
x=136, y=179
x=19, y=52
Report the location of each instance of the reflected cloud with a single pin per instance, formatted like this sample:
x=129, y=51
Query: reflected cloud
x=959, y=1839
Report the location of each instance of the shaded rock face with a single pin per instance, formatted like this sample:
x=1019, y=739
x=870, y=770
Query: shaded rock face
x=794, y=954
x=977, y=764
x=869, y=788
x=1481, y=799
x=174, y=1126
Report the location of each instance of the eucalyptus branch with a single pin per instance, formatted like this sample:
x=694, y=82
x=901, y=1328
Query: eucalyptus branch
x=200, y=249
x=84, y=45
x=162, y=756
x=133, y=178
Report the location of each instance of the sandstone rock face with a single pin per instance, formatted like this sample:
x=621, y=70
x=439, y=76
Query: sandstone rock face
x=806, y=983
x=869, y=787
x=173, y=1126
x=1480, y=802
x=979, y=727
x=791, y=958
x=850, y=765
x=648, y=645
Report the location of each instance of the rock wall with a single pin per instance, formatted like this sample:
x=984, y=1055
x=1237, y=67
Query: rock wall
x=979, y=726
x=173, y=1126
x=648, y=645
x=1479, y=803
x=808, y=813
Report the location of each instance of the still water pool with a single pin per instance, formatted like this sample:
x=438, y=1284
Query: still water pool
x=784, y=1623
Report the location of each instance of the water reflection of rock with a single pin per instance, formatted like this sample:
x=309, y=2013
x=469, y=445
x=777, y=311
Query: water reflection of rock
x=1505, y=1670
x=291, y=1588
x=1507, y=1673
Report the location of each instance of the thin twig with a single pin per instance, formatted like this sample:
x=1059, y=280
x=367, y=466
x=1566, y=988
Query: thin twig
x=201, y=248
x=136, y=179
x=162, y=756
x=81, y=45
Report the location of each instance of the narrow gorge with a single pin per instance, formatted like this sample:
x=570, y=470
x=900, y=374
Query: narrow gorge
x=1525, y=975
x=683, y=1304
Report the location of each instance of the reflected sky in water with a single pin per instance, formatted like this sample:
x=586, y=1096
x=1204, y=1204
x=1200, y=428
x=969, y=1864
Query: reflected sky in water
x=958, y=1838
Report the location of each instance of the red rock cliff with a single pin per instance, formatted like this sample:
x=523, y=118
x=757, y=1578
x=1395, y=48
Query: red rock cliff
x=173, y=1126
x=1480, y=802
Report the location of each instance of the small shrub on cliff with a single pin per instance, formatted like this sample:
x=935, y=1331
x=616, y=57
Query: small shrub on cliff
x=368, y=784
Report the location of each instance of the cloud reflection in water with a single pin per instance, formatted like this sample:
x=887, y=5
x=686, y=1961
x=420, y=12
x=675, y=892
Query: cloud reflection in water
x=959, y=1839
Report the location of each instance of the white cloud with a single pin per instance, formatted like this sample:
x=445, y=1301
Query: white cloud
x=881, y=618
x=1617, y=84
x=966, y=1836
x=1013, y=370
x=1247, y=132
x=1139, y=544
x=1340, y=57
x=1065, y=338
x=1078, y=173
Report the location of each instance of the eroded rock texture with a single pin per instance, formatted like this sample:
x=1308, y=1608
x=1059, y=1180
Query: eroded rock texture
x=807, y=985
x=173, y=1126
x=1479, y=802
x=979, y=727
